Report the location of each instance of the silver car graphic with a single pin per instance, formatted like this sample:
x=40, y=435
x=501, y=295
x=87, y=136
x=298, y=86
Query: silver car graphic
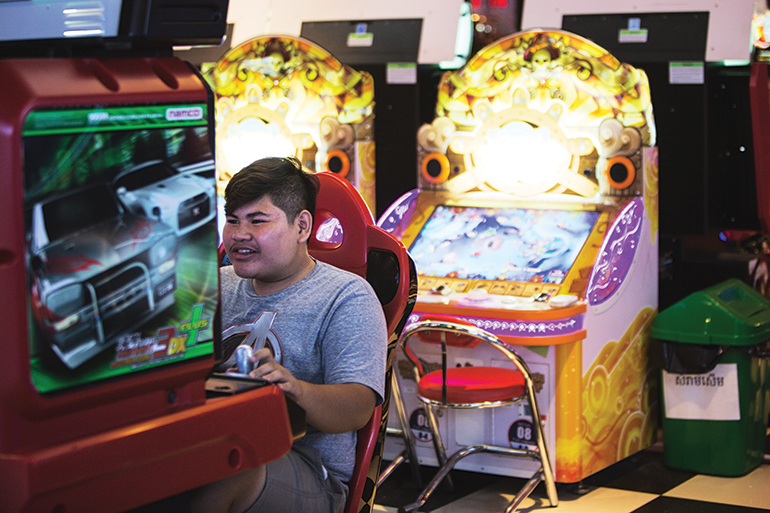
x=96, y=270
x=183, y=199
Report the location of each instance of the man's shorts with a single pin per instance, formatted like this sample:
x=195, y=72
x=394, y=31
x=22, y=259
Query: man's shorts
x=298, y=482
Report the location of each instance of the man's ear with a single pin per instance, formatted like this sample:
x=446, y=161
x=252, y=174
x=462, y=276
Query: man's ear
x=305, y=225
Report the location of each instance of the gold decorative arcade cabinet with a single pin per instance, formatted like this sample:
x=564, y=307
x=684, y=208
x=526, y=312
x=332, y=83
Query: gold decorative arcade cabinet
x=281, y=96
x=536, y=219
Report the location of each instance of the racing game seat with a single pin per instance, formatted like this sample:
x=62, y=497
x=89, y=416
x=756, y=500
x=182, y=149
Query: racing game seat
x=346, y=236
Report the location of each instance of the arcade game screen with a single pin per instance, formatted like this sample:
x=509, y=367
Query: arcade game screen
x=120, y=240
x=503, y=244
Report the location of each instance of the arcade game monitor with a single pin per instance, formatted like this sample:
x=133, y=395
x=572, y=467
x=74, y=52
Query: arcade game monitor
x=119, y=209
x=536, y=219
x=507, y=244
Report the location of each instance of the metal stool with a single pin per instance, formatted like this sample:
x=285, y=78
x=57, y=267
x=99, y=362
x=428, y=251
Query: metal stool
x=473, y=387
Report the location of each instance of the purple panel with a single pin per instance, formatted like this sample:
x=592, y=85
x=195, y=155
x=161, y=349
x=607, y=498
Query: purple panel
x=518, y=328
x=617, y=254
x=330, y=231
x=396, y=218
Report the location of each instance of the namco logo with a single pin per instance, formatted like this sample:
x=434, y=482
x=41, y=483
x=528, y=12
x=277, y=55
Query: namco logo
x=95, y=117
x=184, y=113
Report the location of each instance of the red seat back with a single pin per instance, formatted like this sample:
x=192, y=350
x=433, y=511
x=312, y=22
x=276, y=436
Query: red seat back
x=362, y=246
x=346, y=236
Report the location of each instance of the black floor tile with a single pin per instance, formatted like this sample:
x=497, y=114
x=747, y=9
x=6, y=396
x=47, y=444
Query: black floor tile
x=641, y=472
x=401, y=489
x=674, y=505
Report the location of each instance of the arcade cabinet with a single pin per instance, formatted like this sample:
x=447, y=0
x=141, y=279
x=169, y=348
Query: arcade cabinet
x=108, y=265
x=536, y=219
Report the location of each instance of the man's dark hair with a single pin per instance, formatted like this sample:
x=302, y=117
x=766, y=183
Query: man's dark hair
x=281, y=179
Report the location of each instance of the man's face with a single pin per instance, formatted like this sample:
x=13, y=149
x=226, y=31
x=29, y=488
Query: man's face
x=261, y=243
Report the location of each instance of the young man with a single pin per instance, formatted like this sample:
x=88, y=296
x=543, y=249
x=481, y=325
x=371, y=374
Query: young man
x=326, y=333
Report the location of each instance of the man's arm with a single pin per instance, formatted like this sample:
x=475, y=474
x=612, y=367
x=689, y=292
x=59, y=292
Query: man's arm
x=336, y=408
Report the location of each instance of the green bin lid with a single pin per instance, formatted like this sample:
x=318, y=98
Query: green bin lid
x=728, y=314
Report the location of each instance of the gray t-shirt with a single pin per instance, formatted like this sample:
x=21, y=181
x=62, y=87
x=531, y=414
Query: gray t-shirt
x=328, y=328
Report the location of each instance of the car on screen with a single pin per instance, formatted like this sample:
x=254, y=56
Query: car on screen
x=96, y=270
x=184, y=200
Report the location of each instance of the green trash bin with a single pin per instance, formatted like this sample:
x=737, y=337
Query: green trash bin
x=712, y=348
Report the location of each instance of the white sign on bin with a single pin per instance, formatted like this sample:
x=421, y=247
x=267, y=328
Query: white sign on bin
x=710, y=396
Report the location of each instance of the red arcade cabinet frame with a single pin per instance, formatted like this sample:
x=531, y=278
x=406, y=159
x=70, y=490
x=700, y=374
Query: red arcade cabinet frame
x=118, y=444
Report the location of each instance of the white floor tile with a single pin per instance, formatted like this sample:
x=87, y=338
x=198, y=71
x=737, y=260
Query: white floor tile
x=383, y=509
x=599, y=500
x=751, y=490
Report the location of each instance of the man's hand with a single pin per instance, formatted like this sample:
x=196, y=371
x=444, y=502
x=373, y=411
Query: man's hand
x=335, y=408
x=272, y=372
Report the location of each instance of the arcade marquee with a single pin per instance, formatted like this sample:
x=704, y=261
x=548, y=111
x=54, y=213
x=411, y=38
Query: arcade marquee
x=281, y=95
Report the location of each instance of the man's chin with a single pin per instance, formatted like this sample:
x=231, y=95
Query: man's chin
x=243, y=272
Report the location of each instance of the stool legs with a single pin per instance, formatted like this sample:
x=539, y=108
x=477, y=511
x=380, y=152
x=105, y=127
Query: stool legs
x=473, y=449
x=410, y=451
x=438, y=443
x=547, y=470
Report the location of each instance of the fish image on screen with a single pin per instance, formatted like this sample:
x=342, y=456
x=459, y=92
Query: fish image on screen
x=504, y=244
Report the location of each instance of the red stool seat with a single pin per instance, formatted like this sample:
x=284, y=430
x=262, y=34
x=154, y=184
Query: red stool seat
x=473, y=385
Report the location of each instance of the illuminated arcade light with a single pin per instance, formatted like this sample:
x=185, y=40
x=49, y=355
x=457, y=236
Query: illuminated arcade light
x=464, y=40
x=252, y=139
x=84, y=19
x=84, y=11
x=517, y=153
x=83, y=33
